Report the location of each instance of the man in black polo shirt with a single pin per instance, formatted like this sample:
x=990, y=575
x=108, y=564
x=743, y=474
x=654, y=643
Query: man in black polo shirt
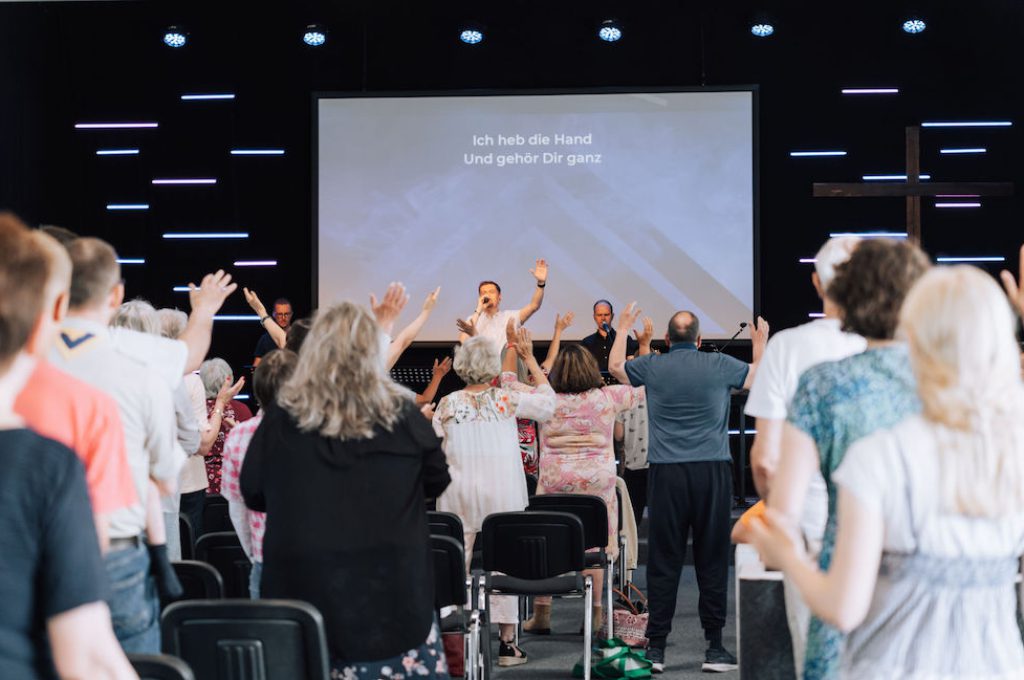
x=690, y=477
x=600, y=342
x=282, y=316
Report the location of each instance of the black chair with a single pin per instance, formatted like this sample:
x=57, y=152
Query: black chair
x=188, y=537
x=452, y=589
x=160, y=667
x=223, y=552
x=446, y=524
x=593, y=513
x=531, y=484
x=244, y=639
x=536, y=553
x=215, y=515
x=199, y=580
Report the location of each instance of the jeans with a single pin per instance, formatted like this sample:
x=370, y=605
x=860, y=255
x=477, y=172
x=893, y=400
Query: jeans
x=134, y=606
x=254, y=580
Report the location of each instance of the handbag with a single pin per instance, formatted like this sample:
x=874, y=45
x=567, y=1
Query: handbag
x=629, y=617
x=615, y=659
x=455, y=652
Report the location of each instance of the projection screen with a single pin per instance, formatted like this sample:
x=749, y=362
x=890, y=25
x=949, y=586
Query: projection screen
x=646, y=196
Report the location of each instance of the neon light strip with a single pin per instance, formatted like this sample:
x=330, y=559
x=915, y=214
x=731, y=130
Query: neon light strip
x=117, y=152
x=980, y=123
x=971, y=259
x=201, y=97
x=734, y=432
x=242, y=397
x=870, y=178
x=131, y=260
x=114, y=126
x=127, y=206
x=958, y=196
x=804, y=154
x=870, y=234
x=236, y=317
x=197, y=180
x=817, y=315
x=207, y=234
x=978, y=150
x=257, y=152
x=808, y=260
x=871, y=90
x=180, y=289
x=256, y=263
x=958, y=205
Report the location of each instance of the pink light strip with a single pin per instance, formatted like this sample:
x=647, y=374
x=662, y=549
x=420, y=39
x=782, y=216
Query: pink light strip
x=958, y=196
x=196, y=180
x=114, y=126
x=958, y=205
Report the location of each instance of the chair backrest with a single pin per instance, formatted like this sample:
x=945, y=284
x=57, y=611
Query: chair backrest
x=591, y=510
x=188, y=537
x=216, y=516
x=199, y=580
x=223, y=552
x=532, y=545
x=446, y=524
x=160, y=667
x=244, y=639
x=449, y=571
x=531, y=484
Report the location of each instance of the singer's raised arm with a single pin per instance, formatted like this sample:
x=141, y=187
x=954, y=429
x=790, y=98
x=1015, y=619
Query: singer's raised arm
x=617, y=354
x=540, y=273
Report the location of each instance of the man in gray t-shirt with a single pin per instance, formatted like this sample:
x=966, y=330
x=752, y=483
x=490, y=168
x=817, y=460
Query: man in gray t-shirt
x=690, y=477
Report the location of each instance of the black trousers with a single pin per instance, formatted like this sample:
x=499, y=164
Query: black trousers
x=680, y=497
x=636, y=483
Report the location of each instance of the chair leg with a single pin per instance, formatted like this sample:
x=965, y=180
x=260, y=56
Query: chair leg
x=588, y=623
x=609, y=573
x=471, y=649
x=622, y=563
x=485, y=629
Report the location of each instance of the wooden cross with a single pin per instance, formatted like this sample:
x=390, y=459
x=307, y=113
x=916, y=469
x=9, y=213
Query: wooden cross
x=913, y=189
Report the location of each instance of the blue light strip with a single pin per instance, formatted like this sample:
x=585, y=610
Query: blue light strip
x=968, y=123
x=984, y=258
x=874, y=178
x=180, y=289
x=127, y=206
x=205, y=234
x=257, y=152
x=205, y=97
x=131, y=260
x=977, y=150
x=117, y=152
x=236, y=317
x=806, y=154
x=869, y=234
x=735, y=432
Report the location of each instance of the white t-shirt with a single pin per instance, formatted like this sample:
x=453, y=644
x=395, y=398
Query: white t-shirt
x=165, y=356
x=791, y=352
x=493, y=327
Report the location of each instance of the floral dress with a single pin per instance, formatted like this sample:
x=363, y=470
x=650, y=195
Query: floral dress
x=426, y=662
x=576, y=445
x=236, y=411
x=836, y=403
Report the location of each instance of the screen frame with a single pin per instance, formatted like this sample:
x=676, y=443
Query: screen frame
x=318, y=95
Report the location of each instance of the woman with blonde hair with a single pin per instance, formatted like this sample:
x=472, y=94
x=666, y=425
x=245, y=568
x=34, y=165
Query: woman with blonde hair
x=341, y=466
x=931, y=510
x=481, y=442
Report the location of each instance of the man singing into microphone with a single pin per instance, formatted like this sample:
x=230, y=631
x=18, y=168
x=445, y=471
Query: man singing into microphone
x=600, y=343
x=489, y=322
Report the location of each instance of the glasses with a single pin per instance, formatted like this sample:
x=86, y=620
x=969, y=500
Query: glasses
x=282, y=314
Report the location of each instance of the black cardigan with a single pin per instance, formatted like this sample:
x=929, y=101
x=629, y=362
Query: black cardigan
x=347, y=528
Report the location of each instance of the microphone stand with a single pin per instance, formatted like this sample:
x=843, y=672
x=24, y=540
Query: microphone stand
x=729, y=341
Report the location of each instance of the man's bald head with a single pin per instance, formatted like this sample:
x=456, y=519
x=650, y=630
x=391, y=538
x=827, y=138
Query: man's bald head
x=683, y=327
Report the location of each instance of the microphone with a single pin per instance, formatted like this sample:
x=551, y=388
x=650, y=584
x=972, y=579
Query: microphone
x=487, y=300
x=743, y=324
x=606, y=328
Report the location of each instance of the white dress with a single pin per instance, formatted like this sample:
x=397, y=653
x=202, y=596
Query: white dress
x=481, y=442
x=944, y=605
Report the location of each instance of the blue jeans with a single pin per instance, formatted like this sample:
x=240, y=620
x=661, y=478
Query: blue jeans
x=134, y=605
x=254, y=580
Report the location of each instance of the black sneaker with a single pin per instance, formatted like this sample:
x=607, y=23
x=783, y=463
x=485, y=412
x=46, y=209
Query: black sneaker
x=510, y=655
x=717, y=660
x=656, y=655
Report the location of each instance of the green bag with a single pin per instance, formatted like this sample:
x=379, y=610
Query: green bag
x=615, y=659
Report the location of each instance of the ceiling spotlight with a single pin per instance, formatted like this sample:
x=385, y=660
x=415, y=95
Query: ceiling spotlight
x=914, y=26
x=609, y=31
x=472, y=36
x=175, y=36
x=762, y=30
x=315, y=35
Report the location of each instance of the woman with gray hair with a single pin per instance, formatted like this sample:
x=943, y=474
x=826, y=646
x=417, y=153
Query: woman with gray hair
x=221, y=406
x=481, y=441
x=341, y=466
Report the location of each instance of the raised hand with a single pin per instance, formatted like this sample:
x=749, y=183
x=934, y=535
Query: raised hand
x=561, y=323
x=254, y=302
x=427, y=410
x=644, y=337
x=540, y=271
x=1013, y=289
x=228, y=391
x=390, y=306
x=441, y=369
x=428, y=304
x=210, y=294
x=629, y=317
x=510, y=332
x=467, y=327
x=524, y=344
x=759, y=331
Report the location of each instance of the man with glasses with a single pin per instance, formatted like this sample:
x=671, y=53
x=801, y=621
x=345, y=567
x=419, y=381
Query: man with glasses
x=282, y=316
